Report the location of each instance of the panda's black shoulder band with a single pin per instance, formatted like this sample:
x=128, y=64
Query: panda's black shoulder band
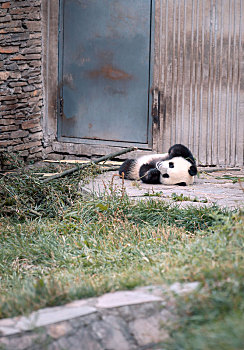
x=179, y=150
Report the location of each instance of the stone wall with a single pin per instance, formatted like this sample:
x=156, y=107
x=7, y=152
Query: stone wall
x=20, y=78
x=125, y=320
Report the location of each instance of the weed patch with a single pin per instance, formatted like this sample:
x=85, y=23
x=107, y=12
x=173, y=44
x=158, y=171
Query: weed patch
x=181, y=198
x=24, y=195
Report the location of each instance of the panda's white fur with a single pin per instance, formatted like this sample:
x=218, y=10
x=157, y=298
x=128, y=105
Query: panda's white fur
x=135, y=168
x=177, y=167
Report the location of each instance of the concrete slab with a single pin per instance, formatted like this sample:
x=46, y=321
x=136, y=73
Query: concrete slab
x=42, y=318
x=122, y=298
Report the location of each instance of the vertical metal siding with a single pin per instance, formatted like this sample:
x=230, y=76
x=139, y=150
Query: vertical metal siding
x=201, y=80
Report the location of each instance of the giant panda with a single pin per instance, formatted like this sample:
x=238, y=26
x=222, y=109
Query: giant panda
x=177, y=167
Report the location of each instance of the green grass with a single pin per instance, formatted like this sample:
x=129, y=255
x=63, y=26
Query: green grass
x=181, y=198
x=95, y=245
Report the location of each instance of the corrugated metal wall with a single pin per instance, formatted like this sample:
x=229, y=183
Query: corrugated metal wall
x=200, y=68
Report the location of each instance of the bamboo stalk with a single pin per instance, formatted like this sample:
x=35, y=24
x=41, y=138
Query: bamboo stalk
x=95, y=161
x=78, y=161
x=206, y=170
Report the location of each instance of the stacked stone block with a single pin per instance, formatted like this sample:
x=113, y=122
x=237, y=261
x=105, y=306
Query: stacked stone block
x=20, y=78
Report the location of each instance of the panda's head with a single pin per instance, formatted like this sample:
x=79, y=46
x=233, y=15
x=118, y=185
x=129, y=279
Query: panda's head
x=177, y=171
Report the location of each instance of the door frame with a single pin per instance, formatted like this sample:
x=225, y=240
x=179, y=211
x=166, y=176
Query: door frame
x=50, y=28
x=148, y=145
x=50, y=34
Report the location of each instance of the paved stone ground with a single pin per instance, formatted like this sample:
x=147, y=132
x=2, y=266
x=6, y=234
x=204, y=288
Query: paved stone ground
x=213, y=187
x=128, y=320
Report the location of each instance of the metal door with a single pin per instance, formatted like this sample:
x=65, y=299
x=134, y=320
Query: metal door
x=104, y=71
x=201, y=78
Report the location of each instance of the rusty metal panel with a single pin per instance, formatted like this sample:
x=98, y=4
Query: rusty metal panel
x=201, y=78
x=105, y=71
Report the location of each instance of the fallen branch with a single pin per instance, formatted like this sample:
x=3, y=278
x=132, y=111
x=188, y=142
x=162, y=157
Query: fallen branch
x=78, y=161
x=213, y=170
x=112, y=168
x=96, y=161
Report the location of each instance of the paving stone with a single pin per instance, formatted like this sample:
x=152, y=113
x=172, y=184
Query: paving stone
x=42, y=318
x=118, y=299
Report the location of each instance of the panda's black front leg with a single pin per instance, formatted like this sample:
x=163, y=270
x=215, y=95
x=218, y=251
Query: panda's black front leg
x=149, y=174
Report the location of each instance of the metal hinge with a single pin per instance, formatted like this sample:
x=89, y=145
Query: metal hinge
x=155, y=105
x=61, y=106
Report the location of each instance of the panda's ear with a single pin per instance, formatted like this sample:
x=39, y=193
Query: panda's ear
x=193, y=170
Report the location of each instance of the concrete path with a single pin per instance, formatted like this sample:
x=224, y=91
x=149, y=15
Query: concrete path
x=218, y=187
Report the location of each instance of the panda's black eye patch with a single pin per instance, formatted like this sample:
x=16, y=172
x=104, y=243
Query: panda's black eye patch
x=171, y=165
x=165, y=175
